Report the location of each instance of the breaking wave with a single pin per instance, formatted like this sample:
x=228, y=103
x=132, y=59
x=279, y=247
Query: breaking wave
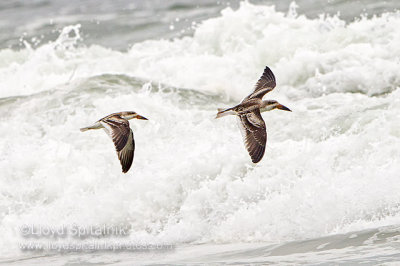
x=331, y=166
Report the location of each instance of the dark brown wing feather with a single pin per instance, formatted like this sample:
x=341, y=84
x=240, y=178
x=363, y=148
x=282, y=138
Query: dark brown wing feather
x=126, y=154
x=122, y=136
x=254, y=134
x=264, y=85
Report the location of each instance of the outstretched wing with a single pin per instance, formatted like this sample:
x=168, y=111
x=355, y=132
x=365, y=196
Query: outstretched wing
x=122, y=136
x=254, y=134
x=126, y=154
x=264, y=85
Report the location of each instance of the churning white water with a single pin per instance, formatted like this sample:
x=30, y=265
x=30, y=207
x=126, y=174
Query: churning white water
x=331, y=167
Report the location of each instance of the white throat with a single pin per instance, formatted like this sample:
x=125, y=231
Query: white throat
x=268, y=107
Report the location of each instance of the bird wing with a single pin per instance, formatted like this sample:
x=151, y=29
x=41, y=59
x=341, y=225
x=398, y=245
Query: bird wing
x=254, y=134
x=122, y=136
x=264, y=85
x=126, y=154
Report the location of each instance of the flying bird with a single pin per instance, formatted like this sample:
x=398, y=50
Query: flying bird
x=248, y=112
x=117, y=127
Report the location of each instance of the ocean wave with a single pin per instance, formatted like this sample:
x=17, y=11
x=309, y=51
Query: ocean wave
x=330, y=167
x=311, y=57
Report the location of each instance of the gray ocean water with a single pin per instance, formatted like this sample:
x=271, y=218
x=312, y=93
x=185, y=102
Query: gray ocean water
x=119, y=24
x=326, y=192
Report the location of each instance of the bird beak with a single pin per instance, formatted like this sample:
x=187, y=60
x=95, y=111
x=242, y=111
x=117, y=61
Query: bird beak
x=141, y=117
x=282, y=107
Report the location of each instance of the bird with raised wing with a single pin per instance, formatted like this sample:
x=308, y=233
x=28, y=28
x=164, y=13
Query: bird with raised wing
x=248, y=112
x=117, y=127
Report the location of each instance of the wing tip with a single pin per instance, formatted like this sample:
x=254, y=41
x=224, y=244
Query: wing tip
x=125, y=170
x=126, y=165
x=257, y=154
x=268, y=73
x=256, y=160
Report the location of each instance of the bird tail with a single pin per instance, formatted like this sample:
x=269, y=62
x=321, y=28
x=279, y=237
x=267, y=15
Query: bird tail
x=84, y=129
x=224, y=112
x=96, y=125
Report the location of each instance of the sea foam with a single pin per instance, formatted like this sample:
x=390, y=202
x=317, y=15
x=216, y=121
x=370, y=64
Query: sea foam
x=331, y=166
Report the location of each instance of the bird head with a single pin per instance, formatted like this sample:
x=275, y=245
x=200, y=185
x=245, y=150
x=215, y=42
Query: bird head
x=269, y=105
x=130, y=115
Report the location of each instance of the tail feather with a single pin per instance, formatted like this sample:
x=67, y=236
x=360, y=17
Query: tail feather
x=96, y=125
x=224, y=112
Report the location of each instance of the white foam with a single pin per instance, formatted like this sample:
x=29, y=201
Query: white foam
x=331, y=166
x=228, y=53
